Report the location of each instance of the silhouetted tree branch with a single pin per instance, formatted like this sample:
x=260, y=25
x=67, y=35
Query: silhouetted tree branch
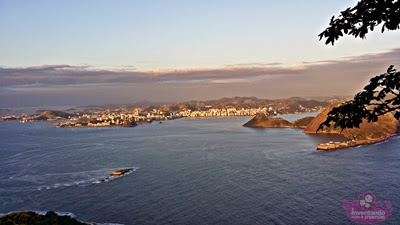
x=365, y=16
x=382, y=94
x=379, y=97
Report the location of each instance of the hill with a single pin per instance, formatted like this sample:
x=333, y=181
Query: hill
x=385, y=127
x=303, y=122
x=290, y=104
x=261, y=120
x=51, y=115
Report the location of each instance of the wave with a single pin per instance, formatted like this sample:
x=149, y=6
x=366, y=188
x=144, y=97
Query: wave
x=80, y=178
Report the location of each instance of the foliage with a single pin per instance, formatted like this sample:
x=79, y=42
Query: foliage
x=365, y=16
x=380, y=96
x=32, y=218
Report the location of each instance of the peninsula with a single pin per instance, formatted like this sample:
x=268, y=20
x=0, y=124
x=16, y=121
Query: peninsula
x=368, y=133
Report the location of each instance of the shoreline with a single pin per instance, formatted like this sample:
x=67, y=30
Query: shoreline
x=66, y=123
x=332, y=146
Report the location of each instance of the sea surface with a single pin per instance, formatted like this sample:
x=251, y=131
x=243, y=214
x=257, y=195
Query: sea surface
x=191, y=171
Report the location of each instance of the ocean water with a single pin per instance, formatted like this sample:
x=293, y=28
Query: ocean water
x=191, y=171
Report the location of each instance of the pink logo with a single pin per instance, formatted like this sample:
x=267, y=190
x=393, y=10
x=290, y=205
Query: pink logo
x=367, y=210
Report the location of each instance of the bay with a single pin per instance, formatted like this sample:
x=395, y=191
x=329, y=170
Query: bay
x=191, y=171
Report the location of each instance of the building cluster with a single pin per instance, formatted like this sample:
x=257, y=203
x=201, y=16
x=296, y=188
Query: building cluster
x=224, y=112
x=336, y=145
x=99, y=120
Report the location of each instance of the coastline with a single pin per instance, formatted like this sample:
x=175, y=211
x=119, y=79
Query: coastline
x=332, y=146
x=68, y=123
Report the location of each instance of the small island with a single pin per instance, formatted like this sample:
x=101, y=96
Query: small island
x=261, y=120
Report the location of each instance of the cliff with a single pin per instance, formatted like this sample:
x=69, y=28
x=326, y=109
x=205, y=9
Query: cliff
x=303, y=122
x=261, y=120
x=385, y=127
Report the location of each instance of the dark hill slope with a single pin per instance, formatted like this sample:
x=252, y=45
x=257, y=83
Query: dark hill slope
x=303, y=122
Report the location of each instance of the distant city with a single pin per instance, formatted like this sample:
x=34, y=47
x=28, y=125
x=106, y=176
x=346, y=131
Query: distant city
x=144, y=112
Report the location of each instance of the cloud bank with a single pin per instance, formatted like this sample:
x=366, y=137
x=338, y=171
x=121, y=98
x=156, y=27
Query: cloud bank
x=68, y=84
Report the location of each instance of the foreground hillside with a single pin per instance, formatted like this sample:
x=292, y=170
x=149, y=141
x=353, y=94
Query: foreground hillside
x=385, y=127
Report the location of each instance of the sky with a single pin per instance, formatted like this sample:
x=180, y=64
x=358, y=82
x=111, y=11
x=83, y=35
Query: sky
x=100, y=52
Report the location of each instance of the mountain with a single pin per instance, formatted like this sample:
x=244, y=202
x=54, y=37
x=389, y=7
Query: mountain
x=385, y=127
x=261, y=120
x=290, y=104
x=277, y=106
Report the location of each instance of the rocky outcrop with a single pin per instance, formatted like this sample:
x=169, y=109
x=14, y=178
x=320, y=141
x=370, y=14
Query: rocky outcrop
x=261, y=120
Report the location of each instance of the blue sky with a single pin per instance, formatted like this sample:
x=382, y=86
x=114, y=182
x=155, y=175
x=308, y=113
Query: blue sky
x=149, y=36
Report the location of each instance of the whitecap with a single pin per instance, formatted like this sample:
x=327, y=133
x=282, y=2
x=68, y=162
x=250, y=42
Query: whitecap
x=86, y=178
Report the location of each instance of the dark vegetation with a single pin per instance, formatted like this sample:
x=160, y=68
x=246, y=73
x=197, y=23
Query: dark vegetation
x=32, y=218
x=382, y=95
x=358, y=20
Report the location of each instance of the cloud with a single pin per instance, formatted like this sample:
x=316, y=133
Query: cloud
x=344, y=76
x=65, y=75
x=390, y=56
x=254, y=64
